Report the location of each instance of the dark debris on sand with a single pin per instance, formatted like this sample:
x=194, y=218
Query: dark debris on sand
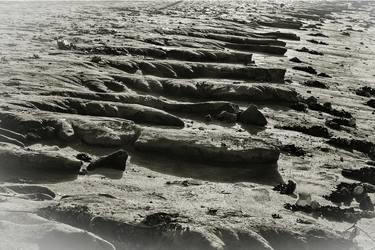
x=326, y=107
x=286, y=188
x=332, y=212
x=316, y=84
x=347, y=192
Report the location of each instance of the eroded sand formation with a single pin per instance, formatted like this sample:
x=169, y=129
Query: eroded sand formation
x=166, y=125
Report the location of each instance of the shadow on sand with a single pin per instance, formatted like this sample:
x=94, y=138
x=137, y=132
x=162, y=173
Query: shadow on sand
x=266, y=174
x=35, y=176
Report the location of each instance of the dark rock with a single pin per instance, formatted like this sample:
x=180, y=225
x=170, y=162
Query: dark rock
x=345, y=122
x=323, y=149
x=316, y=42
x=314, y=130
x=366, y=204
x=336, y=123
x=345, y=33
x=333, y=125
x=184, y=183
x=293, y=150
x=311, y=100
x=286, y=188
x=276, y=216
x=312, y=52
x=365, y=91
x=96, y=59
x=299, y=106
x=307, y=69
x=252, y=116
x=296, y=60
x=326, y=107
x=366, y=174
x=341, y=194
x=116, y=160
x=84, y=157
x=324, y=75
x=316, y=84
x=371, y=103
x=313, y=41
x=318, y=35
x=346, y=192
x=318, y=131
x=212, y=211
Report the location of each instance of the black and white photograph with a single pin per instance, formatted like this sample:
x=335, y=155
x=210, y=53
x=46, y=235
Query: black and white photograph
x=187, y=124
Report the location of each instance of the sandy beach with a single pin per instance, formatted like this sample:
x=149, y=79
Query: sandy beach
x=191, y=124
